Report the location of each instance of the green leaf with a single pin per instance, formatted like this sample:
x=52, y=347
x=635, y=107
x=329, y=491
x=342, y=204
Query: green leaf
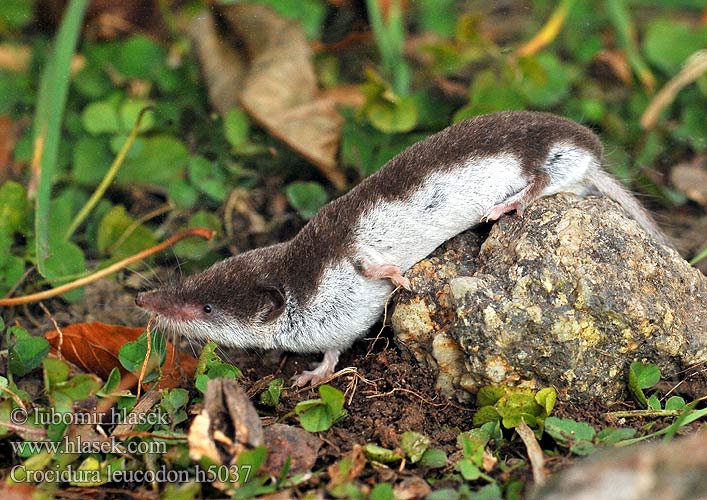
x=208, y=178
x=16, y=13
x=390, y=116
x=193, y=248
x=669, y=42
x=693, y=127
x=11, y=267
x=381, y=455
x=333, y=398
x=546, y=80
x=438, y=16
x=434, y=459
x=92, y=82
x=271, y=396
x=320, y=414
x=63, y=211
x=517, y=405
x=56, y=371
x=27, y=353
x=91, y=159
x=654, y=403
x=357, y=141
x=89, y=474
x=132, y=354
x=316, y=419
x=641, y=377
x=489, y=492
x=612, y=435
x=183, y=194
x=177, y=398
x=444, y=494
x=489, y=395
x=306, y=197
x=13, y=208
x=66, y=261
x=488, y=96
x=382, y=491
x=414, y=445
x=473, y=441
x=119, y=235
x=130, y=110
x=675, y=403
x=162, y=160
x=101, y=117
x=236, y=127
x=48, y=118
x=251, y=460
x=576, y=436
x=310, y=14
x=484, y=415
x=112, y=384
x=546, y=399
x=80, y=387
x=468, y=469
x=140, y=57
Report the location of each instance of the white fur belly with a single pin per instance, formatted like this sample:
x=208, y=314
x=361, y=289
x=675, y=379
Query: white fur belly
x=404, y=232
x=345, y=307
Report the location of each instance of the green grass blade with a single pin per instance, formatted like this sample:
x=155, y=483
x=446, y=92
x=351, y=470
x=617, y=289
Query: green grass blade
x=49, y=114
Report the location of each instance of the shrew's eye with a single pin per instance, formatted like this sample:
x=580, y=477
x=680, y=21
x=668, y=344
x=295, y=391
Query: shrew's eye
x=207, y=308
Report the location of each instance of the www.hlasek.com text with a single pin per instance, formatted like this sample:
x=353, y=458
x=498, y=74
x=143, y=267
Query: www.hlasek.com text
x=77, y=444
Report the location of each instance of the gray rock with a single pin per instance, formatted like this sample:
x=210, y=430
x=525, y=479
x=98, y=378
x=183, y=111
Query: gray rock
x=567, y=295
x=669, y=471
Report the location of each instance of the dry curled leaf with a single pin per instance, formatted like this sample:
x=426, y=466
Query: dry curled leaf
x=358, y=464
x=286, y=441
x=264, y=62
x=94, y=347
x=200, y=442
x=10, y=132
x=691, y=179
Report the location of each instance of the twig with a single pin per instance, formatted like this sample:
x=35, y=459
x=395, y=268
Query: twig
x=385, y=319
x=46, y=294
x=108, y=179
x=19, y=281
x=143, y=368
x=535, y=453
x=644, y=413
x=626, y=31
x=56, y=327
x=136, y=224
x=695, y=67
x=548, y=32
x=35, y=432
x=14, y=397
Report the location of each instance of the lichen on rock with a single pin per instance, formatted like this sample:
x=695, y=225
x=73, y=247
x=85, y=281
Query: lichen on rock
x=567, y=295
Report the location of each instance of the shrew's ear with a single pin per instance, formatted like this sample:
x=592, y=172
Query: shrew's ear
x=272, y=301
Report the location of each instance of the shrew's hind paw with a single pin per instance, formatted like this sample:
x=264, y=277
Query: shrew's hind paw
x=323, y=371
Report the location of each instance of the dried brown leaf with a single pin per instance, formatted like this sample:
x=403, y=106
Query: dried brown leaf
x=264, y=62
x=94, y=347
x=691, y=179
x=286, y=441
x=200, y=442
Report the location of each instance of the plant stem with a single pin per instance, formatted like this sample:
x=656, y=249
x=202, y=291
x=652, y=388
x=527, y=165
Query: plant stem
x=46, y=294
x=619, y=15
x=549, y=31
x=390, y=38
x=108, y=179
x=51, y=102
